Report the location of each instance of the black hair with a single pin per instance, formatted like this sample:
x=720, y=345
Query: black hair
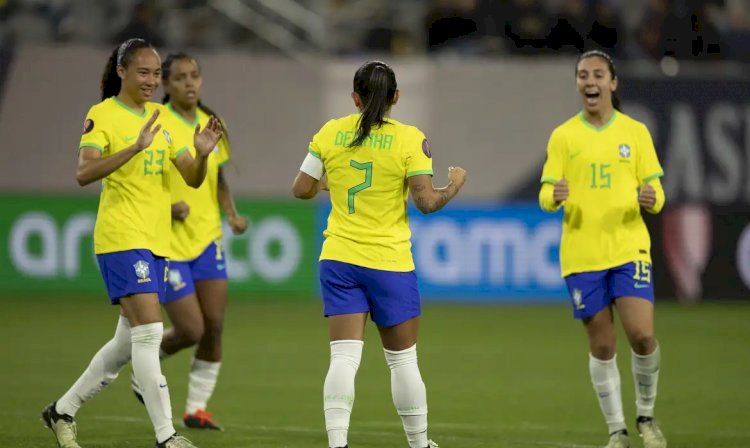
x=122, y=55
x=166, y=71
x=610, y=65
x=375, y=83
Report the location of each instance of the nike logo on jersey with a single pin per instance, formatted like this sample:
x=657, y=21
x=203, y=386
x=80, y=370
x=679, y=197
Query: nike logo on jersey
x=641, y=285
x=130, y=138
x=575, y=154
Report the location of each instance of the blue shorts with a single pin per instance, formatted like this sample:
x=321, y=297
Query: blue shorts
x=136, y=271
x=210, y=265
x=590, y=292
x=390, y=297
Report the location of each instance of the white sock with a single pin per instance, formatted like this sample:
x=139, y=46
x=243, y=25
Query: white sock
x=102, y=370
x=646, y=378
x=409, y=394
x=606, y=380
x=147, y=370
x=338, y=389
x=203, y=375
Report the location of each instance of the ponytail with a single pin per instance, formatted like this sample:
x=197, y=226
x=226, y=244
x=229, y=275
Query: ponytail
x=110, y=85
x=616, y=102
x=122, y=55
x=375, y=83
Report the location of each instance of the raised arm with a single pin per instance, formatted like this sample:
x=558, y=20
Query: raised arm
x=429, y=199
x=92, y=166
x=193, y=169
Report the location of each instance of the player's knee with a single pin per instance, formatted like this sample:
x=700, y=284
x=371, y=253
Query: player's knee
x=603, y=351
x=643, y=343
x=213, y=330
x=192, y=334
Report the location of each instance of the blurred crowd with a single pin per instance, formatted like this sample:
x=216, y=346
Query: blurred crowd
x=685, y=29
x=634, y=29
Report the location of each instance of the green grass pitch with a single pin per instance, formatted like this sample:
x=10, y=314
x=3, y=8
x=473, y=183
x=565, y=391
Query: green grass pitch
x=497, y=376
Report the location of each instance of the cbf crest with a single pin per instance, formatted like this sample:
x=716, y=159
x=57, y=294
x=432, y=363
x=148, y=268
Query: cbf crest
x=578, y=299
x=142, y=271
x=167, y=136
x=624, y=150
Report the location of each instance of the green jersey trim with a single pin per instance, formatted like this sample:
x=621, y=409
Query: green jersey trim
x=91, y=145
x=603, y=128
x=129, y=109
x=183, y=119
x=652, y=177
x=180, y=151
x=417, y=173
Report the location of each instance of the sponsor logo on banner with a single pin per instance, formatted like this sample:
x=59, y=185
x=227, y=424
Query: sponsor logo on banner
x=50, y=241
x=489, y=252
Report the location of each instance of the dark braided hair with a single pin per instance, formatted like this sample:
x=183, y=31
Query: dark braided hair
x=375, y=83
x=610, y=65
x=122, y=55
x=166, y=71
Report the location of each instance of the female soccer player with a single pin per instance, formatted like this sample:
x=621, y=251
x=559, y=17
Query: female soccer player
x=197, y=290
x=123, y=146
x=602, y=168
x=366, y=264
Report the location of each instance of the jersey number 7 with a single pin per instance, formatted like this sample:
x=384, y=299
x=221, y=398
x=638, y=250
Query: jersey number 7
x=367, y=167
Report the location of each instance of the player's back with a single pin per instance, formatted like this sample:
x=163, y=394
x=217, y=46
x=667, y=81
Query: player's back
x=368, y=225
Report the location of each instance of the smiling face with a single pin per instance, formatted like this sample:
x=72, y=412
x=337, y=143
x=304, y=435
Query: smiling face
x=141, y=75
x=595, y=84
x=184, y=83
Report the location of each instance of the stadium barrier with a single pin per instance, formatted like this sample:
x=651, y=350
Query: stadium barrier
x=466, y=252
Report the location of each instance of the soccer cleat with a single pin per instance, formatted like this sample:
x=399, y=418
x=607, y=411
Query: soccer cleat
x=431, y=444
x=619, y=439
x=136, y=388
x=650, y=433
x=176, y=442
x=200, y=420
x=63, y=426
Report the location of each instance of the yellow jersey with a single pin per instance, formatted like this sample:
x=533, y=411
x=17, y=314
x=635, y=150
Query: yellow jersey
x=604, y=168
x=203, y=223
x=368, y=225
x=134, y=206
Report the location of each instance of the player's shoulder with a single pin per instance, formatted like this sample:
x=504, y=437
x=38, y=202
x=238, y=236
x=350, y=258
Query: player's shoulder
x=404, y=127
x=566, y=128
x=632, y=123
x=103, y=107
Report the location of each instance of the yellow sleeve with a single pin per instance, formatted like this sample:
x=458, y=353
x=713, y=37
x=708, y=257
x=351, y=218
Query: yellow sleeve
x=546, y=198
x=317, y=144
x=222, y=156
x=175, y=147
x=418, y=158
x=660, y=197
x=647, y=167
x=94, y=134
x=554, y=166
